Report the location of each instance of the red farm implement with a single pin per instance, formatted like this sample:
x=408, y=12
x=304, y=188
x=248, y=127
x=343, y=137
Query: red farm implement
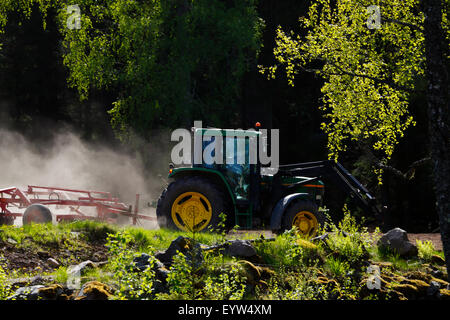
x=69, y=204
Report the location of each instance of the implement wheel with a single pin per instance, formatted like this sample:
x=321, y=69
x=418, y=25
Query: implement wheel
x=6, y=221
x=37, y=213
x=191, y=204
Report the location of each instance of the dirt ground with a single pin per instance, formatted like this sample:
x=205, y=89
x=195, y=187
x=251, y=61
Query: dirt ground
x=435, y=238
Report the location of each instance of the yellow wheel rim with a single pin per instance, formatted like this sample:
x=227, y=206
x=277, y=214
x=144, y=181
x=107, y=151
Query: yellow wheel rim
x=306, y=223
x=191, y=211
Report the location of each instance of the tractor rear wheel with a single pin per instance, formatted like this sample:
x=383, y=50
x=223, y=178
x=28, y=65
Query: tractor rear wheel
x=191, y=204
x=37, y=213
x=305, y=216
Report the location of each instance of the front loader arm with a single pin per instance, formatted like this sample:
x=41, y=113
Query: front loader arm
x=336, y=172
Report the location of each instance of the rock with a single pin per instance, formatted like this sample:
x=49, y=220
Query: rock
x=408, y=290
x=51, y=292
x=420, y=285
x=191, y=250
x=240, y=249
x=53, y=263
x=43, y=254
x=396, y=240
x=436, y=273
x=444, y=294
x=433, y=289
x=251, y=272
x=142, y=262
x=98, y=256
x=435, y=259
x=94, y=290
x=11, y=241
x=255, y=275
x=27, y=293
x=161, y=274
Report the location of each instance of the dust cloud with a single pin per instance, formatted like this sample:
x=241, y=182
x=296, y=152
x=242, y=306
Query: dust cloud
x=72, y=163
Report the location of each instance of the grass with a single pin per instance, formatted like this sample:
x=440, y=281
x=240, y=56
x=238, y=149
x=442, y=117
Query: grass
x=336, y=268
x=73, y=233
x=303, y=270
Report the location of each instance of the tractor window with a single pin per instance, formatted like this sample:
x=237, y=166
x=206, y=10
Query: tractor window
x=236, y=165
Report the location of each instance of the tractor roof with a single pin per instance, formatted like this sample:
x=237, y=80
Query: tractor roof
x=226, y=132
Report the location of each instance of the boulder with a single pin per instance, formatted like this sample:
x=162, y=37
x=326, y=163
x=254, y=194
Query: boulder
x=240, y=249
x=26, y=293
x=396, y=240
x=142, y=262
x=51, y=292
x=188, y=247
x=251, y=272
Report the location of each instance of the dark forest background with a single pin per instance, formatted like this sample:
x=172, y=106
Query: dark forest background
x=36, y=101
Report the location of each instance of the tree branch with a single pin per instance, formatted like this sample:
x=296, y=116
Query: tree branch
x=389, y=82
x=406, y=24
x=408, y=175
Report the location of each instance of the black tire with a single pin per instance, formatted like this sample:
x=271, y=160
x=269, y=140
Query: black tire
x=6, y=221
x=299, y=206
x=211, y=191
x=37, y=213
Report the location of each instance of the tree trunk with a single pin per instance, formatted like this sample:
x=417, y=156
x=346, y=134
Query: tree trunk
x=438, y=112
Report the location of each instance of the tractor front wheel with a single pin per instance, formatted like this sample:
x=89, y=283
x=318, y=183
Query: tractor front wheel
x=305, y=216
x=191, y=204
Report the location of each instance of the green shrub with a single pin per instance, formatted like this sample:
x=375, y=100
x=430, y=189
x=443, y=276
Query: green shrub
x=180, y=280
x=348, y=240
x=426, y=250
x=223, y=281
x=5, y=287
x=132, y=284
x=289, y=250
x=293, y=286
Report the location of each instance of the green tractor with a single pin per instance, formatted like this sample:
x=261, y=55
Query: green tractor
x=247, y=194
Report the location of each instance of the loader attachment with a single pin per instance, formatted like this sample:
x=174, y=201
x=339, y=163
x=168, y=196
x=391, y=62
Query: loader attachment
x=338, y=174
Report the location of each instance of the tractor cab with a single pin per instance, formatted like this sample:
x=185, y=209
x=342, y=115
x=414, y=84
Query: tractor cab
x=235, y=148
